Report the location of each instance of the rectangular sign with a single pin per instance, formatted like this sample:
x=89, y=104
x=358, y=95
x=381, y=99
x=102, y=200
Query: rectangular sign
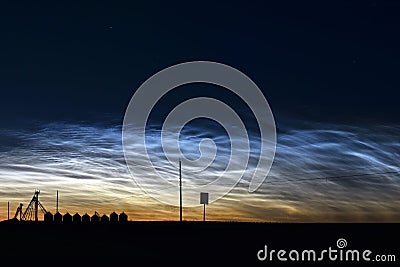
x=203, y=198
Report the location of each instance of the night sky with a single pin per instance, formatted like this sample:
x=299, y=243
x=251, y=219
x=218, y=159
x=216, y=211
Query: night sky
x=329, y=70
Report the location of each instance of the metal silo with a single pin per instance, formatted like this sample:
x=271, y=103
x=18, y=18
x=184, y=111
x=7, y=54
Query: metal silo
x=114, y=217
x=123, y=217
x=95, y=218
x=48, y=217
x=67, y=218
x=86, y=218
x=105, y=219
x=76, y=218
x=57, y=217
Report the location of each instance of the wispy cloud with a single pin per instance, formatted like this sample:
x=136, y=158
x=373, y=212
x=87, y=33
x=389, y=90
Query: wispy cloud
x=86, y=163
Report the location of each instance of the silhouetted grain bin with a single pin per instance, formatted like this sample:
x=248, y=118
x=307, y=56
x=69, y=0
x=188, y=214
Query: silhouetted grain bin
x=57, y=217
x=105, y=219
x=48, y=217
x=76, y=218
x=95, y=218
x=123, y=217
x=67, y=218
x=86, y=218
x=114, y=217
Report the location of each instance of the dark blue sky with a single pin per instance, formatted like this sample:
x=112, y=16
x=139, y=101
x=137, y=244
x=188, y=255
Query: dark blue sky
x=320, y=60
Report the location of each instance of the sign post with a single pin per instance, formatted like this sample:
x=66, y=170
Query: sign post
x=204, y=201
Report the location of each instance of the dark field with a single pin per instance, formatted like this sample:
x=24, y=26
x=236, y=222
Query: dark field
x=187, y=243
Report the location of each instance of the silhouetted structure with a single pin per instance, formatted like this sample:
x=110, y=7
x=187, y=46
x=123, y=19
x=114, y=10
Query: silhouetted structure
x=31, y=212
x=48, y=217
x=19, y=211
x=95, y=217
x=113, y=217
x=86, y=218
x=67, y=218
x=105, y=219
x=57, y=217
x=123, y=217
x=76, y=218
x=57, y=202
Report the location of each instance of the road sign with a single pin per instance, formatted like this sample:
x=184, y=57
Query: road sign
x=203, y=198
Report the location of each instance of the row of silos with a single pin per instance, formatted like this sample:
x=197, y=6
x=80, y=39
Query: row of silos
x=86, y=218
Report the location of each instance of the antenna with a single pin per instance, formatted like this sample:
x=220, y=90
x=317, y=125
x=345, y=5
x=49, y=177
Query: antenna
x=180, y=190
x=57, y=203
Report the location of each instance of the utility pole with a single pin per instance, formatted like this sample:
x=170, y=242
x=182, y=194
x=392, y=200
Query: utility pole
x=57, y=203
x=8, y=209
x=180, y=190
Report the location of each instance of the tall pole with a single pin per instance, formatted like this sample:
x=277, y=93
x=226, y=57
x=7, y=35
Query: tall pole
x=204, y=213
x=57, y=203
x=180, y=190
x=36, y=205
x=8, y=210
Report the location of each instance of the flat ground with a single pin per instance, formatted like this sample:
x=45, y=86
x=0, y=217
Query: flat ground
x=187, y=243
